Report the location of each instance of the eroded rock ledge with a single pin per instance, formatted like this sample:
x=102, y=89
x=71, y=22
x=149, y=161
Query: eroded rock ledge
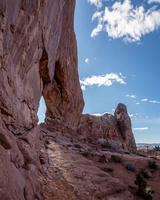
x=38, y=57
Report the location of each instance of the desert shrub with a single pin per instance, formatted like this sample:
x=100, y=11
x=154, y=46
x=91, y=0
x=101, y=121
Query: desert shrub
x=130, y=167
x=152, y=165
x=146, y=173
x=107, y=145
x=157, y=148
x=116, y=159
x=141, y=183
x=143, y=190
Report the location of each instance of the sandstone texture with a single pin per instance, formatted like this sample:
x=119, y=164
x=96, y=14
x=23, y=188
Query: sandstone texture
x=115, y=129
x=85, y=171
x=125, y=127
x=38, y=56
x=65, y=157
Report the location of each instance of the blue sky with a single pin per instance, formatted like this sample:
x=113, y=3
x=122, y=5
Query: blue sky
x=119, y=61
x=138, y=62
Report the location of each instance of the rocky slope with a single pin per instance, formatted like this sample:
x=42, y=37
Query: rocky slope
x=78, y=170
x=38, y=57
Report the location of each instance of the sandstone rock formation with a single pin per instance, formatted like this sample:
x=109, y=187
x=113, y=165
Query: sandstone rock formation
x=125, y=128
x=79, y=170
x=38, y=56
x=115, y=129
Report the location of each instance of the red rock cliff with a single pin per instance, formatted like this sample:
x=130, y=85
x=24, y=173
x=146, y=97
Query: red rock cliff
x=38, y=57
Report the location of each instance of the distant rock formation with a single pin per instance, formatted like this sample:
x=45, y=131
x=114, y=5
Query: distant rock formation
x=38, y=56
x=125, y=127
x=116, y=129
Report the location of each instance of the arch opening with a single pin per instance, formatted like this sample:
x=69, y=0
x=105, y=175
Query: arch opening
x=45, y=79
x=41, y=111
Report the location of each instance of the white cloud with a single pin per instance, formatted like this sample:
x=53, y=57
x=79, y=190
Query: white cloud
x=131, y=96
x=151, y=101
x=97, y=15
x=137, y=103
x=97, y=3
x=102, y=80
x=144, y=100
x=134, y=115
x=153, y=1
x=131, y=115
x=154, y=101
x=99, y=114
x=83, y=87
x=97, y=30
x=86, y=60
x=141, y=129
x=125, y=21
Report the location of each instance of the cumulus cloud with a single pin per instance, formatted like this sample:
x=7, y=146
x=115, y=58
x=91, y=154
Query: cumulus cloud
x=125, y=21
x=86, y=60
x=141, y=129
x=102, y=80
x=97, y=3
x=131, y=96
x=153, y=1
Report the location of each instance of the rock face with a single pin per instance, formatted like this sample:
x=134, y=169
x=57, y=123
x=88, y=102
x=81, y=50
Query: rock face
x=115, y=129
x=125, y=128
x=38, y=57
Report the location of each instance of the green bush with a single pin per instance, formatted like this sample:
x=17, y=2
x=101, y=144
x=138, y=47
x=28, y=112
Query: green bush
x=143, y=190
x=152, y=165
x=157, y=148
x=146, y=174
x=130, y=167
x=116, y=159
